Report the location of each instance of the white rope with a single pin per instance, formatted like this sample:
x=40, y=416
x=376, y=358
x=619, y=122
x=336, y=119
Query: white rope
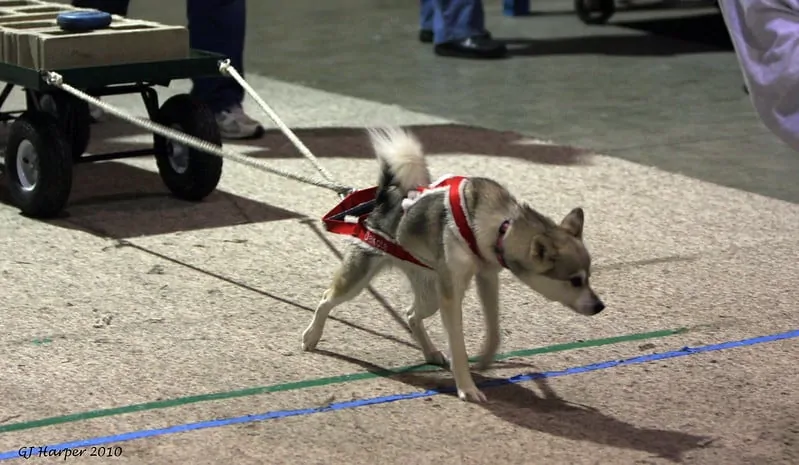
x=55, y=79
x=226, y=68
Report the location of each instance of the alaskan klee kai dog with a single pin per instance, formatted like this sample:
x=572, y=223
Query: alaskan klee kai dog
x=548, y=257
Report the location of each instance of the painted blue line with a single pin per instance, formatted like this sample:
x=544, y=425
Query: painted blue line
x=685, y=351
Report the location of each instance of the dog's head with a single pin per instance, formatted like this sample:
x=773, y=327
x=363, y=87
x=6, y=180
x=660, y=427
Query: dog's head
x=552, y=259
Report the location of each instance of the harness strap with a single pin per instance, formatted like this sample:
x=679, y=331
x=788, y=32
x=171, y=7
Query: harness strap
x=457, y=207
x=348, y=218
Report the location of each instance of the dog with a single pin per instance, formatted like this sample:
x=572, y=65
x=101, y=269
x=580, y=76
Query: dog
x=548, y=257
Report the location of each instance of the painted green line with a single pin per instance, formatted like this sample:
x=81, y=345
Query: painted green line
x=304, y=384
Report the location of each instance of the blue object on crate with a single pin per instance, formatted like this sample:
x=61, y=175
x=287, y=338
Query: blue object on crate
x=82, y=21
x=516, y=7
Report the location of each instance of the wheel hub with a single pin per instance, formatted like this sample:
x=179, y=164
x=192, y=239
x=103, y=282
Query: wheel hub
x=178, y=154
x=27, y=165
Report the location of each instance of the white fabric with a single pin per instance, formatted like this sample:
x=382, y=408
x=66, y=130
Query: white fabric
x=765, y=34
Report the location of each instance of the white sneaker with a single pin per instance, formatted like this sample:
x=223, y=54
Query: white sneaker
x=235, y=124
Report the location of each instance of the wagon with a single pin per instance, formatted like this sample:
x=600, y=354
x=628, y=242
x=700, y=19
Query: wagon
x=66, y=58
x=51, y=135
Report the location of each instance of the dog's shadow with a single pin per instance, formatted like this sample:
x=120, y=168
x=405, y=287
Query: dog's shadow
x=550, y=414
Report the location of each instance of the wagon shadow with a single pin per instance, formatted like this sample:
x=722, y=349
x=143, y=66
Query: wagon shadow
x=548, y=413
x=352, y=142
x=119, y=201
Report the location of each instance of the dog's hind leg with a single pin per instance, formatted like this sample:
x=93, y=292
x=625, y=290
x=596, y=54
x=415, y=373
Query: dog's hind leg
x=488, y=292
x=358, y=268
x=425, y=305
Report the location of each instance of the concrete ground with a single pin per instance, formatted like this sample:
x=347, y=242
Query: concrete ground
x=169, y=333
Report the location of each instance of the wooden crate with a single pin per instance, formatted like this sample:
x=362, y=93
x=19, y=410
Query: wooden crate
x=31, y=38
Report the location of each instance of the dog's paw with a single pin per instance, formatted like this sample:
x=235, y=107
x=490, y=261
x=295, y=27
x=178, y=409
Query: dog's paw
x=310, y=339
x=472, y=394
x=437, y=358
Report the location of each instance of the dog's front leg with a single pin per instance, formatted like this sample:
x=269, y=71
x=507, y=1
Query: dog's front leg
x=453, y=283
x=488, y=292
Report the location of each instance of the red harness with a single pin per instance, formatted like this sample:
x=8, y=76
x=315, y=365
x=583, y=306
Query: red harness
x=360, y=203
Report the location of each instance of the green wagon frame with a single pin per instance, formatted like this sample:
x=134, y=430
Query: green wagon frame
x=52, y=134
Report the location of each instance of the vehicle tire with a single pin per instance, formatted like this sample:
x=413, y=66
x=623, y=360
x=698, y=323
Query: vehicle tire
x=38, y=165
x=595, y=11
x=73, y=116
x=188, y=173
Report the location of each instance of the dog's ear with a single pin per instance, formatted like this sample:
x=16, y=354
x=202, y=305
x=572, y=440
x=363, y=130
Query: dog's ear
x=573, y=223
x=543, y=253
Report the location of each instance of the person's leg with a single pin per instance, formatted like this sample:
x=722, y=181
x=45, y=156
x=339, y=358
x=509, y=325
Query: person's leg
x=115, y=7
x=219, y=26
x=426, y=11
x=457, y=20
x=426, y=14
x=459, y=30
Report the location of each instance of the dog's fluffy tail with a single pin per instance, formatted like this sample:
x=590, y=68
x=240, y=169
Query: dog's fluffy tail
x=401, y=157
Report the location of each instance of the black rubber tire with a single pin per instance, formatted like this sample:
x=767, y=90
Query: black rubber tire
x=51, y=190
x=73, y=116
x=589, y=15
x=204, y=170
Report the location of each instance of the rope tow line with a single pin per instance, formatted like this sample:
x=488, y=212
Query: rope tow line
x=56, y=80
x=226, y=68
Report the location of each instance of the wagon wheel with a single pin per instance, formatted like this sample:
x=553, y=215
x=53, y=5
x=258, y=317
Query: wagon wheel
x=188, y=173
x=73, y=116
x=38, y=165
x=595, y=11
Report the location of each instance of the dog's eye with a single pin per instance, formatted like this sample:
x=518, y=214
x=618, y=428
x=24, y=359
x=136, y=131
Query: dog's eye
x=576, y=281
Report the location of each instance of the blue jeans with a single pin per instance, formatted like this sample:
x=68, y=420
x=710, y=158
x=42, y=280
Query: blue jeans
x=452, y=20
x=216, y=26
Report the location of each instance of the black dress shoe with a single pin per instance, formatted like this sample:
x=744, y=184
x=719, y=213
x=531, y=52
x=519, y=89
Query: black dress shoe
x=473, y=47
x=426, y=35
